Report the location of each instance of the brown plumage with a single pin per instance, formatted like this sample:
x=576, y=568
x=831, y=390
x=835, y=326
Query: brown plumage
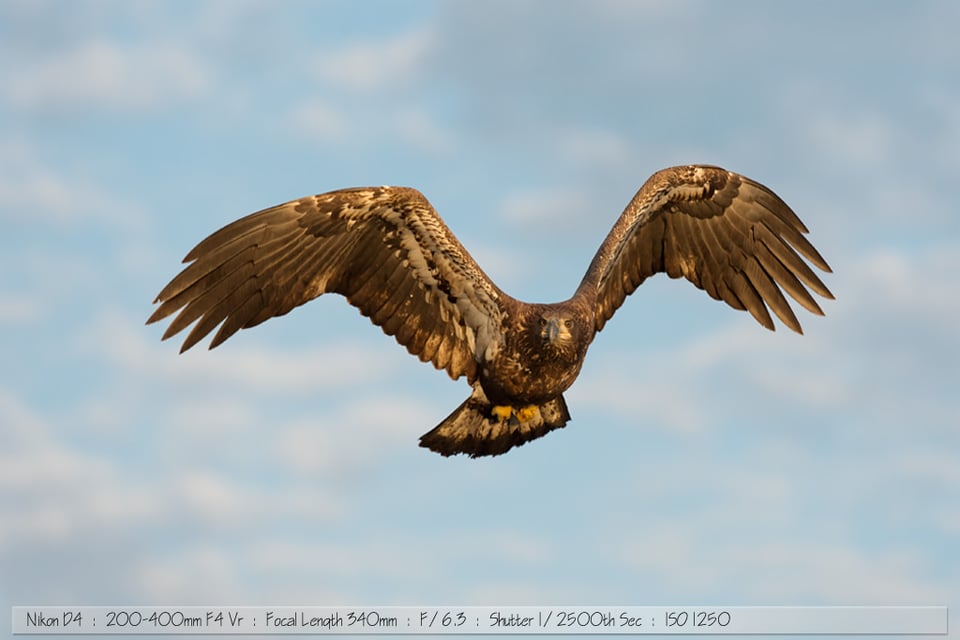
x=388, y=252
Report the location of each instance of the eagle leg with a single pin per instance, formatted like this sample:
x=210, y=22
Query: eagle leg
x=479, y=428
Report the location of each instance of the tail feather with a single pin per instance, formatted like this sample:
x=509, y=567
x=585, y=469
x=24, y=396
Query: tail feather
x=478, y=428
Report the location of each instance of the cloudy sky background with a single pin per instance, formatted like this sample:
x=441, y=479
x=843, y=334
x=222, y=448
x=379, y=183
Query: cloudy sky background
x=708, y=461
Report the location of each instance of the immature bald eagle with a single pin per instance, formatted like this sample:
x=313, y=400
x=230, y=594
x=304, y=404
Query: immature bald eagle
x=390, y=254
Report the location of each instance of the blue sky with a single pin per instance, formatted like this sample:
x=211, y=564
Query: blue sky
x=708, y=460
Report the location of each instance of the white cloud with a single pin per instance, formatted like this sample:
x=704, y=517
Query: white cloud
x=106, y=75
x=832, y=572
x=894, y=279
x=421, y=131
x=375, y=66
x=59, y=490
x=336, y=559
x=854, y=139
x=201, y=573
x=660, y=401
x=279, y=408
x=946, y=106
x=938, y=467
x=784, y=526
x=601, y=150
x=19, y=309
x=352, y=437
x=33, y=191
x=693, y=385
x=409, y=125
x=210, y=498
x=545, y=208
x=872, y=161
x=320, y=121
x=239, y=367
x=113, y=504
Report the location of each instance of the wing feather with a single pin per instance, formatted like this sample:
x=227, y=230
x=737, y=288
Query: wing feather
x=716, y=236
x=786, y=255
x=731, y=290
x=728, y=235
x=385, y=249
x=431, y=344
x=786, y=278
x=771, y=294
x=751, y=299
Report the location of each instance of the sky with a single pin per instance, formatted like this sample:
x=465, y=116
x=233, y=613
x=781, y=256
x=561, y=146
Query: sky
x=708, y=461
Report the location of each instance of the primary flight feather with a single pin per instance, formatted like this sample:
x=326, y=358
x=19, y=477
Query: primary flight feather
x=388, y=252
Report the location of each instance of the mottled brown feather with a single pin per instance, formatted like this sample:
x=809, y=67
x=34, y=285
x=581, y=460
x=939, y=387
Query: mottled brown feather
x=385, y=249
x=725, y=233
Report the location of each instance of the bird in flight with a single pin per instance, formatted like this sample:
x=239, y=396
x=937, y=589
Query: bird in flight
x=389, y=253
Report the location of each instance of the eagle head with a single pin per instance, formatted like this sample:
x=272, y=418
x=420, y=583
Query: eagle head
x=560, y=333
x=556, y=328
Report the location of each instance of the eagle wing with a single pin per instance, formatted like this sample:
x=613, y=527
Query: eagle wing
x=728, y=235
x=385, y=249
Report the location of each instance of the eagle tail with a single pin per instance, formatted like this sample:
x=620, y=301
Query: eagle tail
x=480, y=428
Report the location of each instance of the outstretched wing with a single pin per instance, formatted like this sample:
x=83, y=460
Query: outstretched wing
x=728, y=235
x=384, y=248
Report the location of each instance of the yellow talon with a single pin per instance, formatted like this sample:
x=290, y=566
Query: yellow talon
x=528, y=413
x=505, y=413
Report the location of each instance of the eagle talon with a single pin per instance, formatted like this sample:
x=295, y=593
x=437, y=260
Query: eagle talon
x=513, y=415
x=528, y=413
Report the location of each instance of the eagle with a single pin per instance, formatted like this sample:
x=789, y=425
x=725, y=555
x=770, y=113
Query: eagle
x=391, y=255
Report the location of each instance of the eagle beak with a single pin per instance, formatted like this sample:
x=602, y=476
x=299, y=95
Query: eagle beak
x=553, y=331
